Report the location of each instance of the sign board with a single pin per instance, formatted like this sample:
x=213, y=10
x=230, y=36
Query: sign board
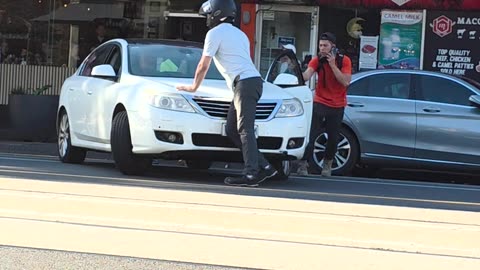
x=269, y=15
x=400, y=2
x=368, y=52
x=400, y=42
x=452, y=43
x=285, y=41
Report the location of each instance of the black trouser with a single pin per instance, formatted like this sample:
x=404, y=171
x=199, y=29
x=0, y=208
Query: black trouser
x=240, y=125
x=330, y=119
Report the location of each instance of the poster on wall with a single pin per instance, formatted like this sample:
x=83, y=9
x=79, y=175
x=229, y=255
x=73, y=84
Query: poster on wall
x=400, y=41
x=452, y=43
x=285, y=40
x=368, y=52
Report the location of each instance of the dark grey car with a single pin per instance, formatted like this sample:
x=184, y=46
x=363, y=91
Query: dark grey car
x=408, y=118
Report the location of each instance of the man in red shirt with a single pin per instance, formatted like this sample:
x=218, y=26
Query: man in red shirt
x=334, y=74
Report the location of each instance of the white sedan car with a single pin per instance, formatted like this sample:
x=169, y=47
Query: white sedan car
x=123, y=100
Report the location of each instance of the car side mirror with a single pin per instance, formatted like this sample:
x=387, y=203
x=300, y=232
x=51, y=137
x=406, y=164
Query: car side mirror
x=475, y=100
x=104, y=71
x=286, y=79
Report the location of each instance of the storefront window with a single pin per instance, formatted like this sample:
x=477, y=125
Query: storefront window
x=280, y=28
x=63, y=32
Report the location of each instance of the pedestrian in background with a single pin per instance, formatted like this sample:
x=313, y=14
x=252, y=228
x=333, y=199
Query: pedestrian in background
x=334, y=73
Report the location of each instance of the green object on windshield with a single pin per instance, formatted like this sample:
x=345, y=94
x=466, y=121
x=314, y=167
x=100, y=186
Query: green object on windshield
x=168, y=66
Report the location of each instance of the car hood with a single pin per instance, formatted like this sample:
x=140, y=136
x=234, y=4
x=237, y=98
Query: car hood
x=217, y=88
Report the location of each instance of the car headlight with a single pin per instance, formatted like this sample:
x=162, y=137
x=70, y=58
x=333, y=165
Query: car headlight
x=174, y=103
x=290, y=108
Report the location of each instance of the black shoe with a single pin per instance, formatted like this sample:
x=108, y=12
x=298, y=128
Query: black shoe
x=242, y=181
x=267, y=172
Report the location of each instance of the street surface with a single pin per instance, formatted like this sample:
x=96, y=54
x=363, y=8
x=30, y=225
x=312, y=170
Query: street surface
x=91, y=216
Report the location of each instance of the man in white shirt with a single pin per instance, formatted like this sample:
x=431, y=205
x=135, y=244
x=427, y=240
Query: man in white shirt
x=230, y=49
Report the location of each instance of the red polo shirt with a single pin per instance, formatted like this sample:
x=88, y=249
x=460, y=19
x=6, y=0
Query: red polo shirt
x=329, y=91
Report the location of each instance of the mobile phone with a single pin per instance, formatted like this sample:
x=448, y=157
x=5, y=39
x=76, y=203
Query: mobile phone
x=334, y=51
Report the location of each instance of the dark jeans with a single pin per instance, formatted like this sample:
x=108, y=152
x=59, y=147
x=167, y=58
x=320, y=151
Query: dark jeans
x=327, y=118
x=240, y=125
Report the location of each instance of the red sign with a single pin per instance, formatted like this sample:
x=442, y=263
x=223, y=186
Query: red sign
x=442, y=26
x=469, y=5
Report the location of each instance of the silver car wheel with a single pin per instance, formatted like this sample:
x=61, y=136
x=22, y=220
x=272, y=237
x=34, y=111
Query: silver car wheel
x=63, y=135
x=341, y=157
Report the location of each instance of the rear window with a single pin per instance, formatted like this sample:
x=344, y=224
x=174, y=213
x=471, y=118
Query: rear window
x=156, y=60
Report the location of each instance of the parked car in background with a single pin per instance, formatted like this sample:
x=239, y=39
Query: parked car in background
x=408, y=118
x=123, y=100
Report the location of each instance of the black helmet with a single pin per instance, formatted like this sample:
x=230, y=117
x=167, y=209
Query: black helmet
x=218, y=11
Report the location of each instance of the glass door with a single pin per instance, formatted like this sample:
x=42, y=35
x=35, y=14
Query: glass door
x=281, y=25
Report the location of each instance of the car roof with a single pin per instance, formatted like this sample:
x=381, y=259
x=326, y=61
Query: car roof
x=399, y=71
x=402, y=71
x=464, y=80
x=171, y=42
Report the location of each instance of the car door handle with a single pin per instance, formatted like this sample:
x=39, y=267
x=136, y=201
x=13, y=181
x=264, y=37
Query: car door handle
x=431, y=109
x=89, y=92
x=71, y=89
x=355, y=104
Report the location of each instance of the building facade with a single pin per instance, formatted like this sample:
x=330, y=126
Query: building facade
x=439, y=35
x=42, y=41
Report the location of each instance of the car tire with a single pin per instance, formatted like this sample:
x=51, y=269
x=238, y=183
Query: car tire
x=283, y=167
x=125, y=160
x=198, y=164
x=348, y=149
x=67, y=153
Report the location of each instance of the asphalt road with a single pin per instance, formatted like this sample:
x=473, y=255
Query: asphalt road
x=433, y=225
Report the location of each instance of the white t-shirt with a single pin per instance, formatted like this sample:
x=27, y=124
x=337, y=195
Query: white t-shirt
x=230, y=49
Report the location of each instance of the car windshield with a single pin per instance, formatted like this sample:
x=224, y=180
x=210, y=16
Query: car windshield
x=157, y=60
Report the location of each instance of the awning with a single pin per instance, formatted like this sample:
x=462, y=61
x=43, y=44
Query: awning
x=468, y=5
x=83, y=12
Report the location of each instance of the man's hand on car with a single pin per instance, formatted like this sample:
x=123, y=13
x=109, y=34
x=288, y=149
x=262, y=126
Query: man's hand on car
x=186, y=88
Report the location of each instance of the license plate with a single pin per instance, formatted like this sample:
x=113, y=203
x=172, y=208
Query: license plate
x=224, y=130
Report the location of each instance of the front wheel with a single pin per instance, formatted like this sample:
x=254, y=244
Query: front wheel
x=345, y=158
x=125, y=160
x=67, y=153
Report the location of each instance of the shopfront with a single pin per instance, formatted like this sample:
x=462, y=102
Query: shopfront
x=43, y=41
x=373, y=33
x=281, y=25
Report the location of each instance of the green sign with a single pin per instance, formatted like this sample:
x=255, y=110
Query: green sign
x=400, y=44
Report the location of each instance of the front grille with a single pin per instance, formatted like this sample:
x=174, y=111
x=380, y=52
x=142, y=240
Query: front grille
x=215, y=140
x=219, y=109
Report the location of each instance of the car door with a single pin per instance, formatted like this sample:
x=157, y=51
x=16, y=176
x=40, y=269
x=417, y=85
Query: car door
x=290, y=79
x=381, y=109
x=103, y=98
x=448, y=126
x=78, y=98
x=92, y=103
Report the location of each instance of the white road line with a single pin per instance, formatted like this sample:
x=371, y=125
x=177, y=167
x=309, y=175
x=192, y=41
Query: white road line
x=384, y=182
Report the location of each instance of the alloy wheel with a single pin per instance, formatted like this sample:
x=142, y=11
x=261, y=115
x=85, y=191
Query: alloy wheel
x=63, y=135
x=341, y=156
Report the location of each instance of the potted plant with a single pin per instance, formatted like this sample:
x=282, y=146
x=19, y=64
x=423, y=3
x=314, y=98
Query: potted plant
x=33, y=114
